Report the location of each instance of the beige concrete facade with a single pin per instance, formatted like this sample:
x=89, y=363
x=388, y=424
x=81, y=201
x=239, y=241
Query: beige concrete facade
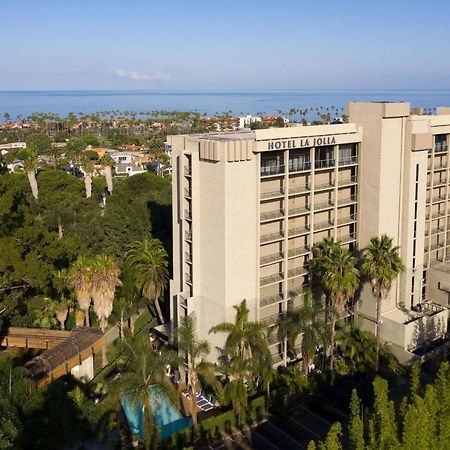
x=248, y=207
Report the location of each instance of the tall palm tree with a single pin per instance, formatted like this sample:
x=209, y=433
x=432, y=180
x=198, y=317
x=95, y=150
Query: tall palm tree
x=79, y=278
x=88, y=168
x=245, y=338
x=30, y=166
x=105, y=279
x=310, y=322
x=192, y=351
x=382, y=264
x=144, y=382
x=108, y=162
x=336, y=268
x=148, y=261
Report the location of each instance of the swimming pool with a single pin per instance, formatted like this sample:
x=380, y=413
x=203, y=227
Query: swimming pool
x=166, y=417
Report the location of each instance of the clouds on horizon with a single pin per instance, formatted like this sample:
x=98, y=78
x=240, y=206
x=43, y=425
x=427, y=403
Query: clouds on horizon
x=136, y=75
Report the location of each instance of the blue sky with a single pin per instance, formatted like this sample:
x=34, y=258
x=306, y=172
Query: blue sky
x=246, y=44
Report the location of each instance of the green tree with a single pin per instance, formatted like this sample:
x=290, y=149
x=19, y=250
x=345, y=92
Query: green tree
x=356, y=425
x=192, y=350
x=382, y=265
x=148, y=261
x=80, y=279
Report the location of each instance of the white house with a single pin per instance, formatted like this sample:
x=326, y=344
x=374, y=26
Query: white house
x=245, y=122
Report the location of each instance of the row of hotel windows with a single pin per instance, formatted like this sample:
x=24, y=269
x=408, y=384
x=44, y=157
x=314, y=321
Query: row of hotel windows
x=272, y=163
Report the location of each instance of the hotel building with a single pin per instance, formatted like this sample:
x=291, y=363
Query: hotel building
x=249, y=206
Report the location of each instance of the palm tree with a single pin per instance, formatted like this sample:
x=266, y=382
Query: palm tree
x=245, y=339
x=88, y=168
x=148, y=261
x=309, y=321
x=335, y=267
x=105, y=279
x=79, y=278
x=30, y=166
x=108, y=162
x=192, y=351
x=382, y=264
x=144, y=382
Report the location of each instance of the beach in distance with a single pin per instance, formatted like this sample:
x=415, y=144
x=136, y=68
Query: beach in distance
x=236, y=102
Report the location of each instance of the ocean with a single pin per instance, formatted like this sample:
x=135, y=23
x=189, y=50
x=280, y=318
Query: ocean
x=24, y=103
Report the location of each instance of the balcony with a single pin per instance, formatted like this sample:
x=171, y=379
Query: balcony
x=346, y=220
x=271, y=279
x=323, y=225
x=187, y=193
x=348, y=160
x=188, y=235
x=187, y=214
x=295, y=167
x=272, y=237
x=299, y=231
x=348, y=181
x=298, y=251
x=437, y=183
x=299, y=189
x=272, y=194
x=188, y=278
x=267, y=171
x=436, y=199
x=294, y=293
x=187, y=171
x=439, y=165
x=323, y=205
x=435, y=215
x=436, y=246
x=434, y=231
x=271, y=320
x=270, y=300
x=324, y=163
x=297, y=272
x=347, y=200
x=188, y=257
x=324, y=186
x=346, y=239
x=272, y=215
x=270, y=259
x=298, y=210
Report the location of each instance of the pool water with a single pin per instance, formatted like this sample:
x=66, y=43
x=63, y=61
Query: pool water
x=165, y=416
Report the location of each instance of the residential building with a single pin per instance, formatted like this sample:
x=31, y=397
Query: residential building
x=128, y=169
x=245, y=122
x=249, y=206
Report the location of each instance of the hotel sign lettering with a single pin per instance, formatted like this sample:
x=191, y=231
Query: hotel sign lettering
x=301, y=142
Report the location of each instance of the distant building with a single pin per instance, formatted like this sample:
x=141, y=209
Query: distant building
x=128, y=169
x=13, y=145
x=121, y=157
x=246, y=121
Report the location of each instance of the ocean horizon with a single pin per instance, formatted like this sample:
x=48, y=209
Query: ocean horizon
x=23, y=103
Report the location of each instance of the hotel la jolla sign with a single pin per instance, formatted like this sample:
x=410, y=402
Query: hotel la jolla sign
x=284, y=144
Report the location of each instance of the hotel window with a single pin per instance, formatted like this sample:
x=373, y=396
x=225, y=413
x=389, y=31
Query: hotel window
x=299, y=160
x=324, y=157
x=347, y=154
x=440, y=143
x=272, y=163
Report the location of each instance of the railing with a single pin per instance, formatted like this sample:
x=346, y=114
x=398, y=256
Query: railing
x=326, y=185
x=435, y=247
x=187, y=192
x=183, y=302
x=271, y=320
x=347, y=200
x=299, y=167
x=188, y=278
x=323, y=205
x=272, y=237
x=438, y=165
x=298, y=231
x=324, y=163
x=187, y=214
x=270, y=300
x=297, y=272
x=298, y=210
x=299, y=189
x=187, y=171
x=348, y=160
x=437, y=183
x=277, y=193
x=188, y=257
x=188, y=235
x=436, y=199
x=272, y=215
x=323, y=225
x=298, y=251
x=269, y=259
x=270, y=279
x=293, y=293
x=271, y=170
x=347, y=181
x=345, y=220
